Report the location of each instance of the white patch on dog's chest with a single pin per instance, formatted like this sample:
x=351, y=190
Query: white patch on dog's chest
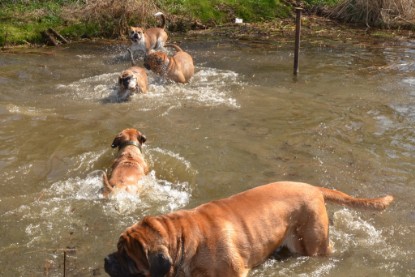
x=139, y=45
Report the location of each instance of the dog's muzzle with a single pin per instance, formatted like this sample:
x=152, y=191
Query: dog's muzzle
x=114, y=268
x=135, y=37
x=126, y=81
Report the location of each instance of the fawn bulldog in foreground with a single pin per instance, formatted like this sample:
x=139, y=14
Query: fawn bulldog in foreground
x=148, y=39
x=178, y=68
x=229, y=237
x=129, y=166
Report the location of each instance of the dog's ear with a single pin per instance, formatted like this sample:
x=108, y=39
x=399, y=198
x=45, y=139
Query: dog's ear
x=160, y=264
x=131, y=30
x=116, y=142
x=142, y=138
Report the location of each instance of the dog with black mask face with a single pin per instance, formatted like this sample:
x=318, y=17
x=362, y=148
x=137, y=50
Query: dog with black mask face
x=178, y=68
x=132, y=80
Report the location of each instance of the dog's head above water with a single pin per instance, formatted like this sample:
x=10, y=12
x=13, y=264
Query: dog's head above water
x=136, y=34
x=127, y=80
x=157, y=62
x=140, y=252
x=128, y=136
x=130, y=81
x=127, y=85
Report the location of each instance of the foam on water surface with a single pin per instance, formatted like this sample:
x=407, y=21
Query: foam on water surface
x=208, y=87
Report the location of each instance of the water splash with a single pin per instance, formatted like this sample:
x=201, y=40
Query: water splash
x=350, y=231
x=208, y=87
x=91, y=88
x=159, y=196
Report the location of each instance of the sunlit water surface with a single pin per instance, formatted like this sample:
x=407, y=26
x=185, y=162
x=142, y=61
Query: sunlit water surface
x=347, y=122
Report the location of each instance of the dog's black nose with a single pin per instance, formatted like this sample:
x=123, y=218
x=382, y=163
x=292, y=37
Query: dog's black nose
x=126, y=82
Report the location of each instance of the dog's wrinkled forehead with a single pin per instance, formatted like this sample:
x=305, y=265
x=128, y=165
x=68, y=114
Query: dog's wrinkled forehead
x=128, y=245
x=160, y=57
x=156, y=61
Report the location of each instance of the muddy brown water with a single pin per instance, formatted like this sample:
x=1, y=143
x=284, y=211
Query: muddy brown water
x=347, y=123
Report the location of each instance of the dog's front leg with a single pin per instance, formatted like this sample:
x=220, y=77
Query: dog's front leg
x=131, y=56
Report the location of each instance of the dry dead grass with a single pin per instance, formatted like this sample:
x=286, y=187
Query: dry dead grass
x=113, y=15
x=376, y=12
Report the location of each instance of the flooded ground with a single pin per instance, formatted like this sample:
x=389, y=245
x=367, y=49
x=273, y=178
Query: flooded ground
x=347, y=122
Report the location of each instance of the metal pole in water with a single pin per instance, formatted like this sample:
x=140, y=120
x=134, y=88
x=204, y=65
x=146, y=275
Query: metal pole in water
x=64, y=263
x=297, y=38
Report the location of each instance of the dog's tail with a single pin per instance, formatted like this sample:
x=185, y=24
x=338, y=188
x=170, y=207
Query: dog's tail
x=163, y=19
x=344, y=199
x=107, y=187
x=178, y=49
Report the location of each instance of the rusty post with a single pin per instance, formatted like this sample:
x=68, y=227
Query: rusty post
x=64, y=263
x=297, y=38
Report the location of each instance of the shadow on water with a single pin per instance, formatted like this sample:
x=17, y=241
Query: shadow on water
x=347, y=122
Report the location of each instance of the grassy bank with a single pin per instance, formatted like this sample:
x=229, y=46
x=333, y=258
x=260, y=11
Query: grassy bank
x=22, y=21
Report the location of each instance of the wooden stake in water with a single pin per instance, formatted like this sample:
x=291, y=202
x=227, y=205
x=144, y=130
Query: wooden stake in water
x=64, y=263
x=297, y=38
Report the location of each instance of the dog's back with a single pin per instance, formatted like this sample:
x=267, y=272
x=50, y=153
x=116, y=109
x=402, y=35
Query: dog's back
x=184, y=61
x=186, y=64
x=228, y=237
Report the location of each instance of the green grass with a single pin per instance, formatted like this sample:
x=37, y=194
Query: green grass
x=219, y=10
x=311, y=3
x=22, y=23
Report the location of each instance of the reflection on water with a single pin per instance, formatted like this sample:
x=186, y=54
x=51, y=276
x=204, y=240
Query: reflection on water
x=347, y=123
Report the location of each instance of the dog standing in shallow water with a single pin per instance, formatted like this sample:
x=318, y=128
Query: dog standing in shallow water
x=132, y=80
x=148, y=39
x=229, y=237
x=178, y=68
x=129, y=166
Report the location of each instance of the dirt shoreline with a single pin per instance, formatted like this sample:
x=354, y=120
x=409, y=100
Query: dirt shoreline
x=282, y=30
x=310, y=26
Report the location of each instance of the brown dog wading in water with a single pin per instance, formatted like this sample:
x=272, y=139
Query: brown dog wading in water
x=229, y=237
x=132, y=80
x=148, y=39
x=129, y=166
x=178, y=68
